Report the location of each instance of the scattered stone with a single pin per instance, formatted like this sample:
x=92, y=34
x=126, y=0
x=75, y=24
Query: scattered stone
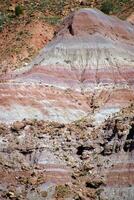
x=16, y=126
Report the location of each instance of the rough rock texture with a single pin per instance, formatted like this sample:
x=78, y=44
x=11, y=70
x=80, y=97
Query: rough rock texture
x=119, y=150
x=53, y=161
x=84, y=75
x=131, y=18
x=88, y=68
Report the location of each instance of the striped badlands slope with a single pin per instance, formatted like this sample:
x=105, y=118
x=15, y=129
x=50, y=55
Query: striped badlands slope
x=88, y=68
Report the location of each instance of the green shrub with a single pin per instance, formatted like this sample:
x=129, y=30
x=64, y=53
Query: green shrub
x=2, y=20
x=18, y=10
x=107, y=6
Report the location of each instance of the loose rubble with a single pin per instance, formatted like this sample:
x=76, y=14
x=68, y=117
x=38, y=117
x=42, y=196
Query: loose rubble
x=87, y=151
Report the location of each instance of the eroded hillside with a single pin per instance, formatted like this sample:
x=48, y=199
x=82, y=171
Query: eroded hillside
x=67, y=117
x=47, y=160
x=26, y=26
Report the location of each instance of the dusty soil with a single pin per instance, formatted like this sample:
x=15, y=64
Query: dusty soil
x=21, y=42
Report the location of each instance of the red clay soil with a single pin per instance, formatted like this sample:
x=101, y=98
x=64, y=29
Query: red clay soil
x=20, y=42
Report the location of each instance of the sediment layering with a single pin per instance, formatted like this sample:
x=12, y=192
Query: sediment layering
x=53, y=161
x=88, y=68
x=84, y=75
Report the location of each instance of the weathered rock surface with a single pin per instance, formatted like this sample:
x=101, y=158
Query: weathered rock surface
x=88, y=68
x=131, y=18
x=47, y=160
x=120, y=167
x=84, y=75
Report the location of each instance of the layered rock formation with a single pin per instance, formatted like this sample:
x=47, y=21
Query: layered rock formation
x=83, y=76
x=53, y=161
x=88, y=68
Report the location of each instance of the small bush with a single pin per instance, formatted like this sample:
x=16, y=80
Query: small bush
x=107, y=6
x=2, y=21
x=18, y=10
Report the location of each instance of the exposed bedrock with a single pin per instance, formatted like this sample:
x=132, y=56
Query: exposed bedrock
x=19, y=101
x=84, y=75
x=87, y=68
x=41, y=160
x=119, y=150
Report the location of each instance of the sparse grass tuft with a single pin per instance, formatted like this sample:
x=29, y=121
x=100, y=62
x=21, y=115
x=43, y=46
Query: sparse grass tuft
x=53, y=6
x=107, y=6
x=18, y=10
x=62, y=191
x=2, y=20
x=53, y=20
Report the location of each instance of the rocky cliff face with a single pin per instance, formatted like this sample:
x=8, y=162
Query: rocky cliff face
x=82, y=81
